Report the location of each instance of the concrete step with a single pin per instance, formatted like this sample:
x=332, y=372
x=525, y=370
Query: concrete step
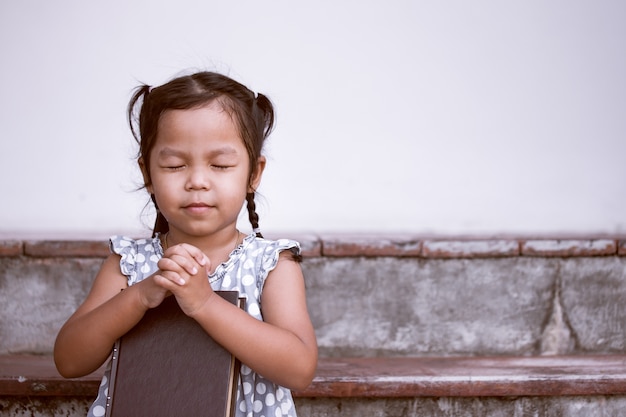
x=512, y=386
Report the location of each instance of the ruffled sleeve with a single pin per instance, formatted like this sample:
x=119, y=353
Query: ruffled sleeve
x=271, y=254
x=138, y=257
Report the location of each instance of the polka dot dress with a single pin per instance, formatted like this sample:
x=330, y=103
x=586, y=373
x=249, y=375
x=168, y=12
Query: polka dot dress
x=245, y=271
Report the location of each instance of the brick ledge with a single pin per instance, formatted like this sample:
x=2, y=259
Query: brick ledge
x=374, y=245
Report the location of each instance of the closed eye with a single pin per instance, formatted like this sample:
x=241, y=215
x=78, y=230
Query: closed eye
x=174, y=167
x=221, y=167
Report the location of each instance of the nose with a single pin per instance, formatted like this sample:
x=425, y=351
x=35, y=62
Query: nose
x=198, y=179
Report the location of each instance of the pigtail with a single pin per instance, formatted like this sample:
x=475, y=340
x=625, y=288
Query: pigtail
x=263, y=112
x=143, y=135
x=262, y=115
x=141, y=92
x=252, y=214
x=160, y=224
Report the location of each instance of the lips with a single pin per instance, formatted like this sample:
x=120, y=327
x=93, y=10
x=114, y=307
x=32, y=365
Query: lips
x=197, y=205
x=197, y=208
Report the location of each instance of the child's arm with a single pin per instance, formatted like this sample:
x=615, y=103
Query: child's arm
x=109, y=311
x=283, y=347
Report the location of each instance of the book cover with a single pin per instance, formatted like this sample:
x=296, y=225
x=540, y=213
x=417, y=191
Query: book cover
x=167, y=365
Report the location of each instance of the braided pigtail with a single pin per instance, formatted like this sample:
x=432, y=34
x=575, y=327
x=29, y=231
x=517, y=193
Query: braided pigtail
x=160, y=225
x=252, y=214
x=257, y=127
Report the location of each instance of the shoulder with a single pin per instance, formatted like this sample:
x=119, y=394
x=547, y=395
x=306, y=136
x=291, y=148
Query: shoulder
x=269, y=251
x=273, y=245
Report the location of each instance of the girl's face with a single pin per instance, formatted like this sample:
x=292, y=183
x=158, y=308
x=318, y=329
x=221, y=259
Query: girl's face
x=200, y=170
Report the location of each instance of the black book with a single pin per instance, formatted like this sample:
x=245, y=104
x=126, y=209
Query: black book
x=167, y=365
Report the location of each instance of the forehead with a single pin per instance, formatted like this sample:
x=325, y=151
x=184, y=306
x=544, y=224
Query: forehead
x=206, y=126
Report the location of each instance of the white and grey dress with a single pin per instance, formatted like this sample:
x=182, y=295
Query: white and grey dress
x=245, y=271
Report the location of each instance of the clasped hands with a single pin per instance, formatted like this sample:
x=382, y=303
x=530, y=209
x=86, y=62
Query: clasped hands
x=183, y=271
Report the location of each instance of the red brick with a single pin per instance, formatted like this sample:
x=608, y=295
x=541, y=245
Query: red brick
x=311, y=248
x=569, y=247
x=11, y=248
x=470, y=248
x=371, y=246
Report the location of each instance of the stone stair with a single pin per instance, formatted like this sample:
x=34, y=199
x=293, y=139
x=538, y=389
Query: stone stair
x=406, y=325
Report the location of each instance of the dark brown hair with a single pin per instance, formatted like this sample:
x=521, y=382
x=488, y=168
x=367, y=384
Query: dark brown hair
x=253, y=114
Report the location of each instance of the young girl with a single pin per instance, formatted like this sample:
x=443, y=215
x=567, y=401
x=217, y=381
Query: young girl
x=200, y=140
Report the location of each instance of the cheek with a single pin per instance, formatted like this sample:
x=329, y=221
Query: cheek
x=240, y=185
x=236, y=188
x=162, y=187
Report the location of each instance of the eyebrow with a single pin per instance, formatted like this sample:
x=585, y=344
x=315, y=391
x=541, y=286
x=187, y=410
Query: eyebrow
x=225, y=150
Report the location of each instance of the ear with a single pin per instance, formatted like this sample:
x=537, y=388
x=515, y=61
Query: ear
x=145, y=174
x=255, y=179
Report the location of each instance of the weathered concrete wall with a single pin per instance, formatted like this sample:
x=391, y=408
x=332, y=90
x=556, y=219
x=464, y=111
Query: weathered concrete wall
x=517, y=305
x=44, y=406
x=37, y=295
x=382, y=297
x=465, y=407
x=600, y=406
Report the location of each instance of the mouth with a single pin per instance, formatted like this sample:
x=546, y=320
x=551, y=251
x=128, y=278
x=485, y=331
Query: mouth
x=197, y=208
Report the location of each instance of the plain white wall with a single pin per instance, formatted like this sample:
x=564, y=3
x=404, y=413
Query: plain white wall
x=444, y=117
